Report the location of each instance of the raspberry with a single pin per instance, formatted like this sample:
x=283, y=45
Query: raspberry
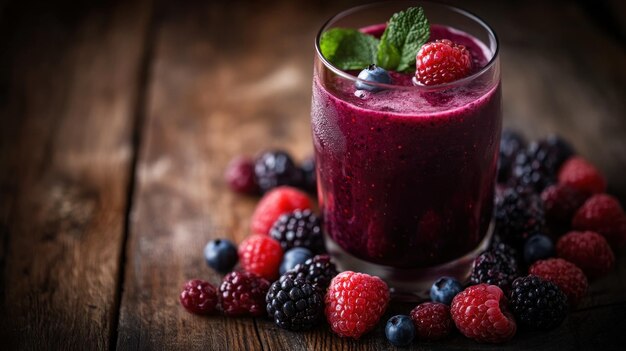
x=511, y=143
x=604, y=215
x=294, y=304
x=319, y=270
x=199, y=297
x=582, y=175
x=569, y=278
x=240, y=176
x=518, y=216
x=432, y=320
x=538, y=303
x=262, y=255
x=276, y=168
x=587, y=250
x=442, y=61
x=560, y=203
x=355, y=302
x=494, y=268
x=276, y=202
x=298, y=229
x=243, y=293
x=480, y=313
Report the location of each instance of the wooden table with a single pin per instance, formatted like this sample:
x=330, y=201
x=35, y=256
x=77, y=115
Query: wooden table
x=117, y=120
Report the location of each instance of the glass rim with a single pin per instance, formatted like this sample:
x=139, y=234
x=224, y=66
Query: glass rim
x=459, y=82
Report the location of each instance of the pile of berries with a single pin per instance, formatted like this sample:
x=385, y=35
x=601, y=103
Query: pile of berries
x=269, y=170
x=556, y=230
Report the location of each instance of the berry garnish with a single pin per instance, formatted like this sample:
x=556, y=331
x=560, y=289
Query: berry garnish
x=564, y=274
x=199, y=297
x=442, y=61
x=293, y=257
x=604, y=215
x=582, y=175
x=240, y=176
x=587, y=250
x=300, y=228
x=480, y=313
x=355, y=302
x=494, y=268
x=432, y=320
x=319, y=270
x=294, y=304
x=243, y=293
x=399, y=330
x=538, y=247
x=374, y=74
x=221, y=255
x=537, y=303
x=281, y=200
x=518, y=215
x=560, y=203
x=511, y=143
x=444, y=290
x=262, y=255
x=276, y=168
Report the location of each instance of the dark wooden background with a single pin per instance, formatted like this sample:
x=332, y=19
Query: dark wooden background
x=117, y=120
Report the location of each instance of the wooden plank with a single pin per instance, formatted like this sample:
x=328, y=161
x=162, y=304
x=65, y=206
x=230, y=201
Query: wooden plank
x=69, y=85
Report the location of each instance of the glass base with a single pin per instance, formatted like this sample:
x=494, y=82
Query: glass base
x=408, y=284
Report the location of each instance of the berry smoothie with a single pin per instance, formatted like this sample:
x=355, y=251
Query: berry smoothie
x=406, y=176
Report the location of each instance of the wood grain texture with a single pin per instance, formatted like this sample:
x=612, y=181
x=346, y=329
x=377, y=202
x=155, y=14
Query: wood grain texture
x=69, y=87
x=213, y=96
x=127, y=113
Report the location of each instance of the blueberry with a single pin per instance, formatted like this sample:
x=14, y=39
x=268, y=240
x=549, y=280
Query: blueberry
x=375, y=74
x=293, y=257
x=444, y=290
x=400, y=330
x=538, y=247
x=221, y=255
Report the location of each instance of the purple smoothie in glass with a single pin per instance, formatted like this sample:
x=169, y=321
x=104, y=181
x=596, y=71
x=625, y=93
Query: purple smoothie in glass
x=406, y=176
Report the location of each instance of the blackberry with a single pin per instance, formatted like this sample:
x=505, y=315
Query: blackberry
x=318, y=270
x=276, y=168
x=532, y=169
x=497, y=244
x=557, y=151
x=494, y=268
x=518, y=215
x=537, y=303
x=300, y=228
x=294, y=304
x=510, y=144
x=309, y=178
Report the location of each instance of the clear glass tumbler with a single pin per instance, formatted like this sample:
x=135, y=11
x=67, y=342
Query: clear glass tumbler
x=406, y=175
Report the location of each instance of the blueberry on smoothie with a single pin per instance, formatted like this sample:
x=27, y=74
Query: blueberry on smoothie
x=374, y=74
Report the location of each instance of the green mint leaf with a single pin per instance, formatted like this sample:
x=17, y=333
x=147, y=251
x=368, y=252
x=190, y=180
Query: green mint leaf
x=406, y=32
x=348, y=49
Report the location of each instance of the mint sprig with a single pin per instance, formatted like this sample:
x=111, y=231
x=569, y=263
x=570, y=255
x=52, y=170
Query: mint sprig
x=348, y=49
x=406, y=32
